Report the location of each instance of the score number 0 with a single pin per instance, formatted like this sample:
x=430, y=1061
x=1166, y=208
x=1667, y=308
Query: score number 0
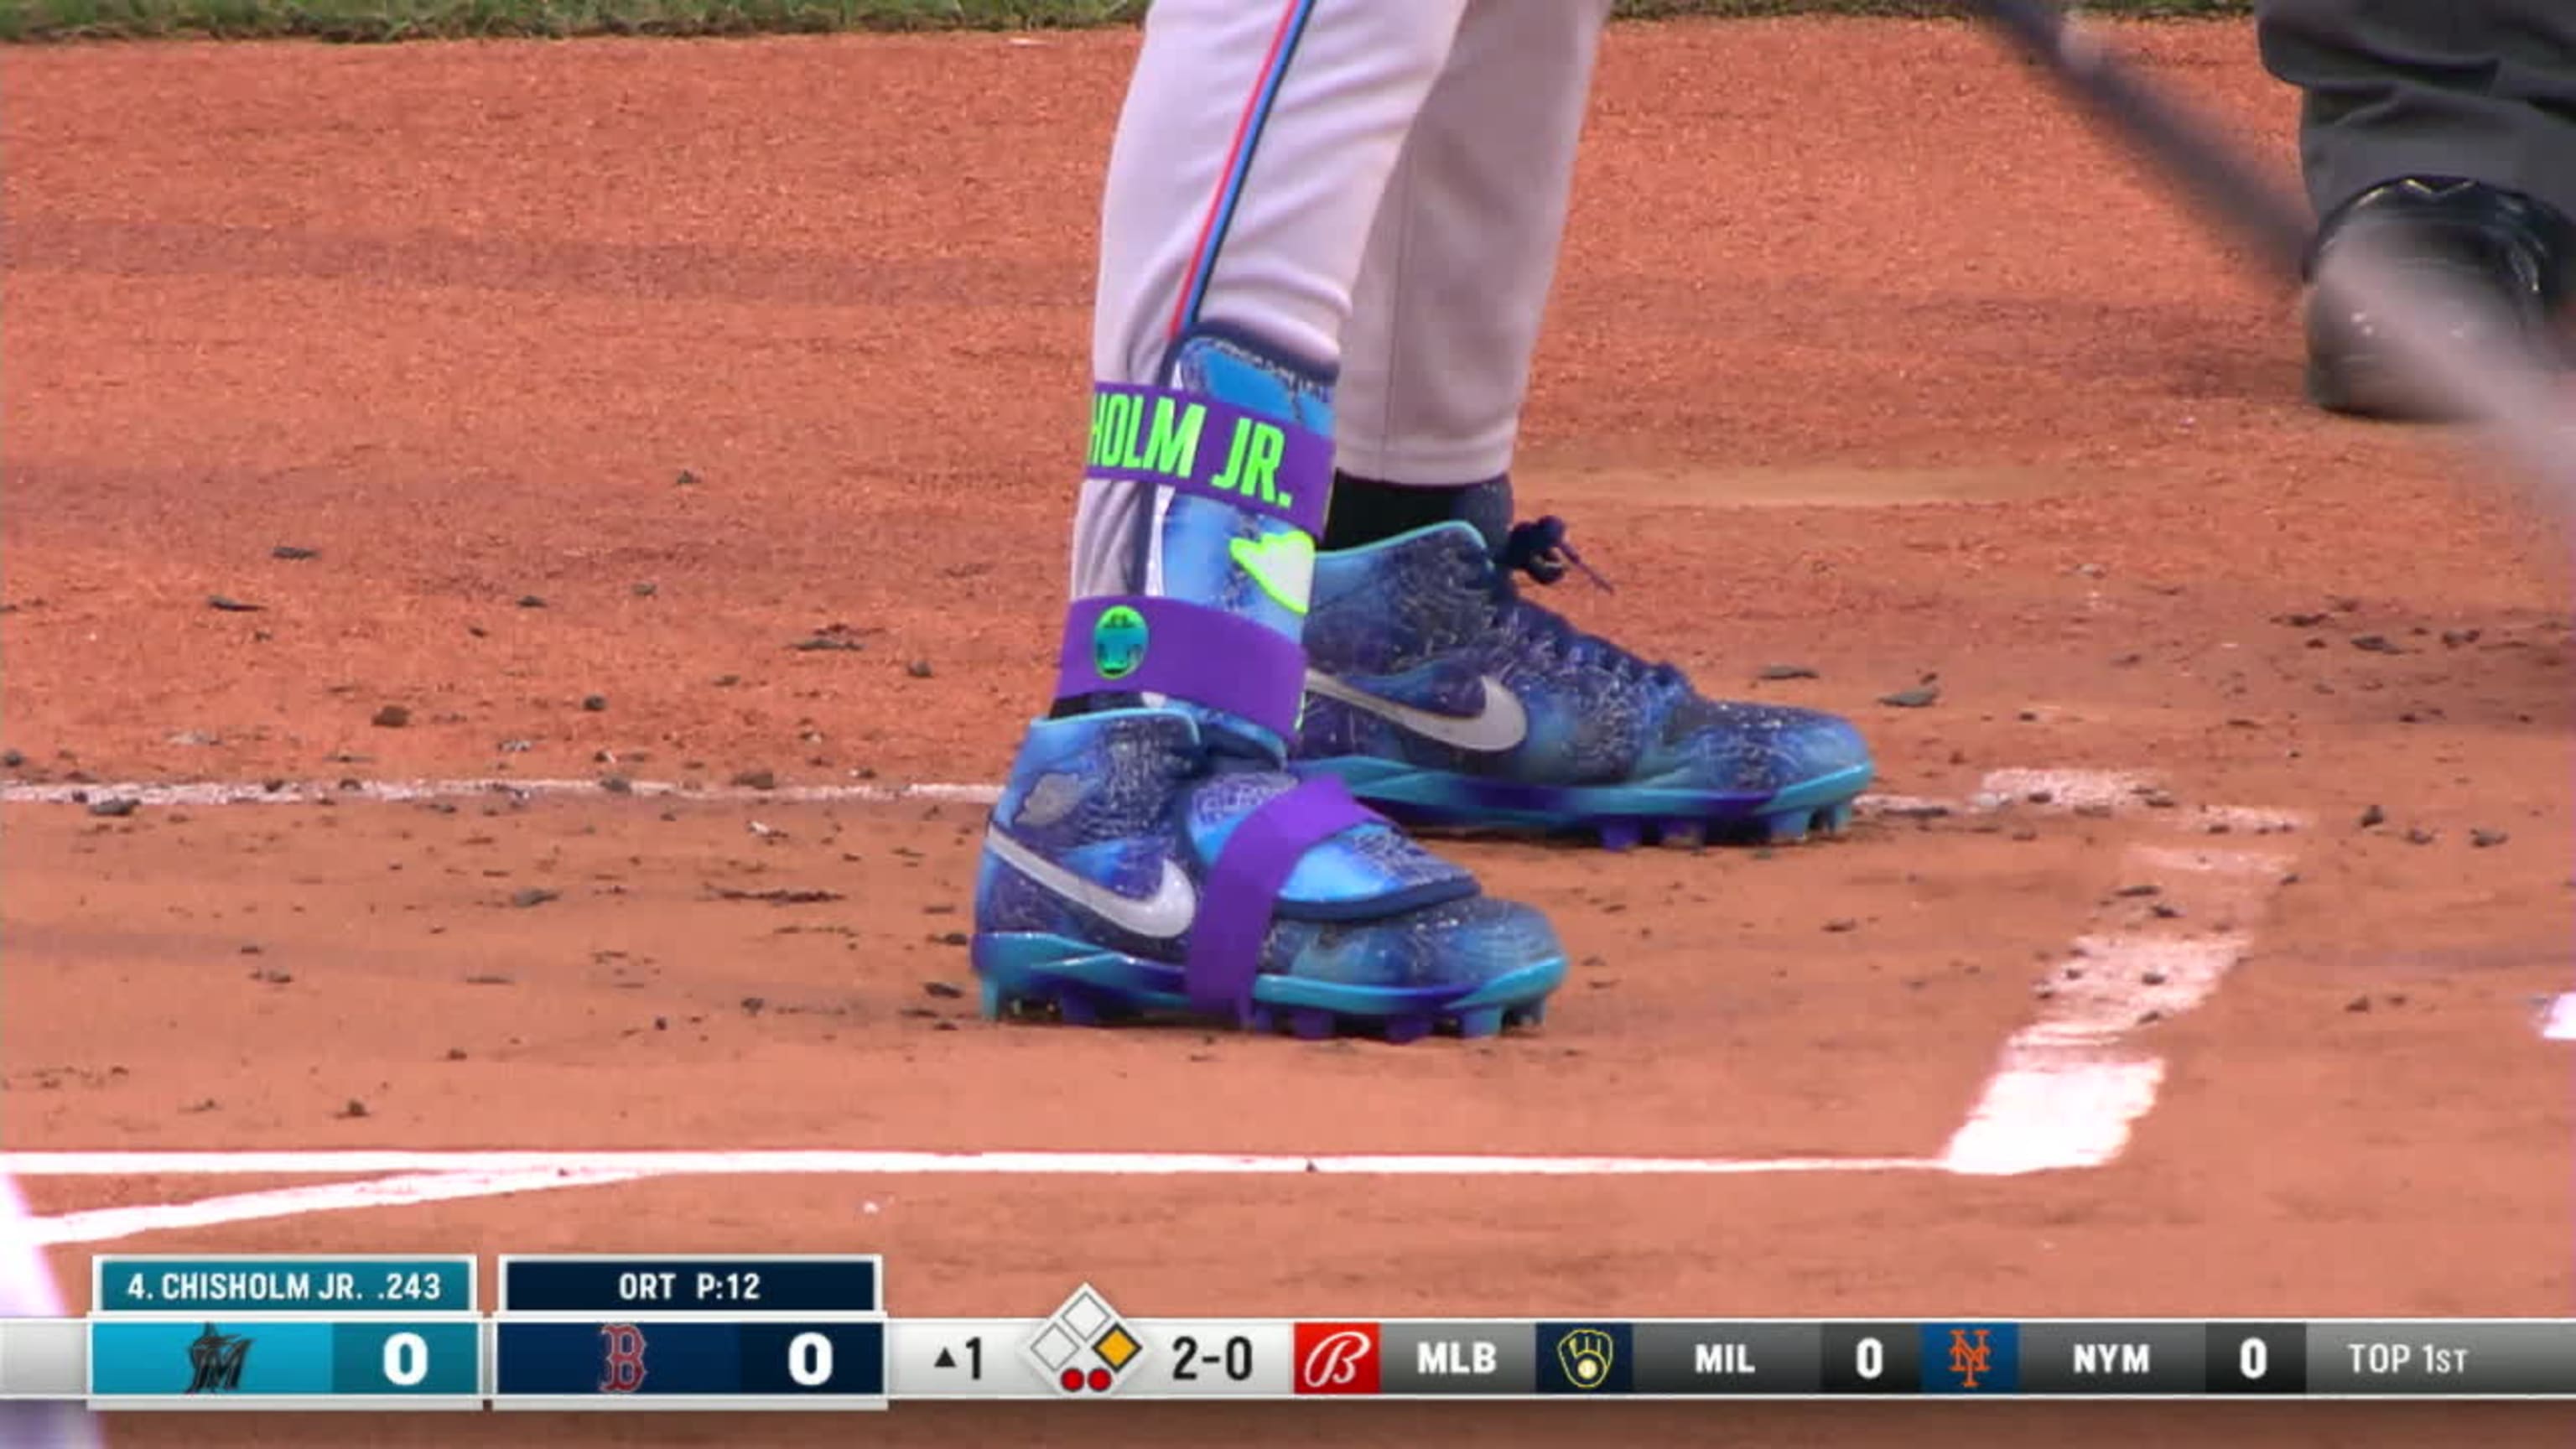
x=406, y=1359
x=809, y=1360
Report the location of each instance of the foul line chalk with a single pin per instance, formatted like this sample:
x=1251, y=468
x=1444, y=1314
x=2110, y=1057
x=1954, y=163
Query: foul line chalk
x=426, y=1177
x=2558, y=1019
x=109, y=1224
x=2032, y=791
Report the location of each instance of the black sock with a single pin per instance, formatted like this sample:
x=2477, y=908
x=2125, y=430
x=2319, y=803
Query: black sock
x=1365, y=510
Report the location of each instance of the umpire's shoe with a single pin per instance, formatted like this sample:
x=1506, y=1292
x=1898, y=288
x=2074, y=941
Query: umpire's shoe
x=2500, y=245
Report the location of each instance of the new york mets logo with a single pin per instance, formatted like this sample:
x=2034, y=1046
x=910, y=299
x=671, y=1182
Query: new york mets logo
x=1337, y=1358
x=1970, y=1355
x=621, y=1358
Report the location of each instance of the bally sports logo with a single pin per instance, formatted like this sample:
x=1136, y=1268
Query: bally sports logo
x=1337, y=1358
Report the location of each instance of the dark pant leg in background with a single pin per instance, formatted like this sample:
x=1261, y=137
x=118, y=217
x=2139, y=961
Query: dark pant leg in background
x=2482, y=89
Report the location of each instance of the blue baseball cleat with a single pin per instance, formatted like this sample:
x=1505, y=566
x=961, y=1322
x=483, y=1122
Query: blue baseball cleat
x=1135, y=867
x=1151, y=853
x=1442, y=697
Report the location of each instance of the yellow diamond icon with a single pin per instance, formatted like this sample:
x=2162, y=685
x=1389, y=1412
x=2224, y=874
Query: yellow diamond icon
x=1116, y=1347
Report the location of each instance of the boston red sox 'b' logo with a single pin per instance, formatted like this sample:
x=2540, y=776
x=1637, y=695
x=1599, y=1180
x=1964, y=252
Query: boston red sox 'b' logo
x=621, y=1358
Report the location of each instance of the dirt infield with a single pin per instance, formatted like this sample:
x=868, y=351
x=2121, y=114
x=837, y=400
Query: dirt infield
x=701, y=419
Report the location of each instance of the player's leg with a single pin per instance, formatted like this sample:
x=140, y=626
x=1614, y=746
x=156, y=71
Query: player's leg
x=1150, y=851
x=2452, y=119
x=27, y=1291
x=1465, y=703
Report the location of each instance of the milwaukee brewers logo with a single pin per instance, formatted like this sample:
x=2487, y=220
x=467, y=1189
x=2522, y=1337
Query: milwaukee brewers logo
x=1586, y=1354
x=1970, y=1355
x=621, y=1358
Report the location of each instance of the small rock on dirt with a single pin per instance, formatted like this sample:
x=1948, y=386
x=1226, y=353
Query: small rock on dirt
x=354, y=1108
x=532, y=601
x=117, y=808
x=2375, y=644
x=1785, y=671
x=1918, y=697
x=2357, y=1005
x=2482, y=839
x=918, y=669
x=230, y=605
x=533, y=896
x=944, y=990
x=11, y=759
x=594, y=703
x=2372, y=815
x=756, y=780
x=294, y=553
x=391, y=717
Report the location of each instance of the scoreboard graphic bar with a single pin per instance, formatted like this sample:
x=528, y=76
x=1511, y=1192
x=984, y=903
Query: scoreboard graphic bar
x=376, y=1332
x=768, y=1331
x=712, y=1331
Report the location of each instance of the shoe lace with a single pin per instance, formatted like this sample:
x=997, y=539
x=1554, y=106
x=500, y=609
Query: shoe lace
x=1538, y=549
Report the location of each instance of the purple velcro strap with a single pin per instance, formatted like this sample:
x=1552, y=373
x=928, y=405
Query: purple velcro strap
x=1136, y=644
x=1266, y=466
x=1243, y=886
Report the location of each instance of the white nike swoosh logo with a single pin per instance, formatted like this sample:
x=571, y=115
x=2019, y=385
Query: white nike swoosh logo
x=1164, y=915
x=1499, y=724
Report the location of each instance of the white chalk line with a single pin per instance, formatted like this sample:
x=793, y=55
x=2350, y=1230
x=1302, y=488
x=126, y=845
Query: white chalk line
x=2558, y=1018
x=441, y=1184
x=2039, y=791
x=298, y=792
x=2071, y=1087
x=426, y=1177
x=2065, y=1093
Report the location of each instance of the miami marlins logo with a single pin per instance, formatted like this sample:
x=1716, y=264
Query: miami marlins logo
x=215, y=1361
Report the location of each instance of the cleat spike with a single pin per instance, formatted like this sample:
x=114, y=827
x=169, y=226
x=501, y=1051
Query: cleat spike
x=1619, y=834
x=996, y=1004
x=1076, y=1009
x=1533, y=1014
x=1402, y=1029
x=1837, y=818
x=1312, y=1024
x=1481, y=1021
x=1261, y=1019
x=1785, y=829
x=1686, y=834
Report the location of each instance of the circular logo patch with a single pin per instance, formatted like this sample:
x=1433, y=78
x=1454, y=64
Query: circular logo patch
x=1118, y=642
